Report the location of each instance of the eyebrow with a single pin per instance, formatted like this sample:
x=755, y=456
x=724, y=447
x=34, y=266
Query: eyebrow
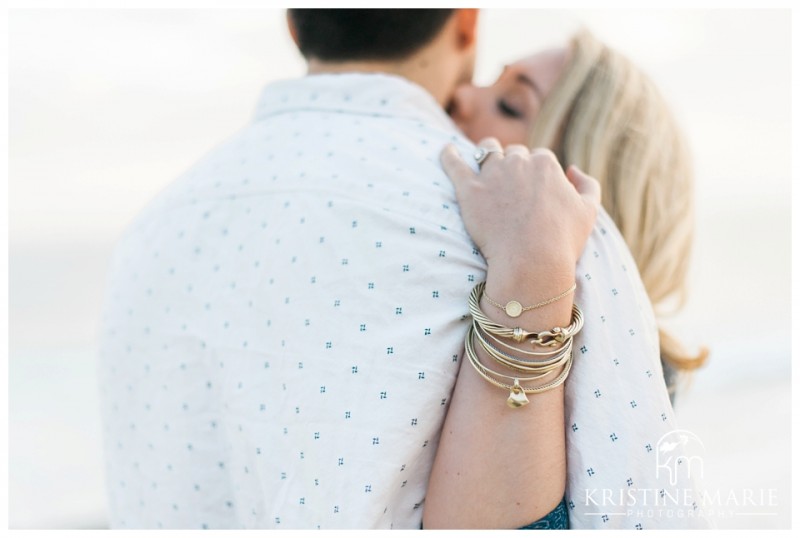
x=531, y=84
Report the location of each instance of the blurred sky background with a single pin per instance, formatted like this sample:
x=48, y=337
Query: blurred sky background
x=106, y=107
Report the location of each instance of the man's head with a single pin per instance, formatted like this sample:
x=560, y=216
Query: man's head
x=433, y=47
x=346, y=35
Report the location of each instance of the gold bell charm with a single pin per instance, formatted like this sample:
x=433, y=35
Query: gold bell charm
x=517, y=398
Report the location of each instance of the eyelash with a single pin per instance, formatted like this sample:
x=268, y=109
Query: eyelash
x=508, y=111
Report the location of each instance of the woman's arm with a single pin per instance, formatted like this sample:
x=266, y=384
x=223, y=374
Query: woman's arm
x=496, y=466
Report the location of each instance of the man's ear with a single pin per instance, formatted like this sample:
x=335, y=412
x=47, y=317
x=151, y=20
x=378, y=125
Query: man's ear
x=292, y=27
x=466, y=27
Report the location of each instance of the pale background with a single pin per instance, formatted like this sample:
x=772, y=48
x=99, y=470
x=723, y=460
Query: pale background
x=107, y=107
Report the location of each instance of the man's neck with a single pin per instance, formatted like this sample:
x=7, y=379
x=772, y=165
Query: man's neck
x=420, y=70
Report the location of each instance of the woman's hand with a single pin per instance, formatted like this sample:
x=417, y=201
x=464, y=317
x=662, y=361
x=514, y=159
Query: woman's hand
x=521, y=210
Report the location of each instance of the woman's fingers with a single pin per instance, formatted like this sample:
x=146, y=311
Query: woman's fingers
x=490, y=142
x=456, y=169
x=492, y=147
x=517, y=149
x=587, y=186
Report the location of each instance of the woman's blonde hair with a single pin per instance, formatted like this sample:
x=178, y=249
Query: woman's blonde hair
x=607, y=117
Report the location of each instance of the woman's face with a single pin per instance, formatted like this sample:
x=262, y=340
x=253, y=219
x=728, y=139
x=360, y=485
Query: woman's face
x=508, y=108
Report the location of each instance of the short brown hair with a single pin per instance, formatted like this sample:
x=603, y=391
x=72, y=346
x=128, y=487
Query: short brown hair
x=365, y=34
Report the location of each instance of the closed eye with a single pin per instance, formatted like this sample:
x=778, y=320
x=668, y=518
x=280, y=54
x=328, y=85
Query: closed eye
x=507, y=110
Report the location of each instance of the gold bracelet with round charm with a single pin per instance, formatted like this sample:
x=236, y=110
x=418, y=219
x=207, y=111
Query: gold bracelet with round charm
x=550, y=338
x=514, y=309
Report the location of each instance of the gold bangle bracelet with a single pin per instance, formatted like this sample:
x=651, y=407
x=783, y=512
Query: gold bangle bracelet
x=531, y=369
x=534, y=372
x=506, y=345
x=517, y=397
x=523, y=365
x=545, y=338
x=471, y=351
x=514, y=309
x=531, y=365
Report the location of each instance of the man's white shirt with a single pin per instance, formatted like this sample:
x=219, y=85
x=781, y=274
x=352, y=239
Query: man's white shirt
x=284, y=325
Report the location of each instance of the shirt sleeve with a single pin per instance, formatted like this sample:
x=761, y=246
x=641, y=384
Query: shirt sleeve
x=617, y=410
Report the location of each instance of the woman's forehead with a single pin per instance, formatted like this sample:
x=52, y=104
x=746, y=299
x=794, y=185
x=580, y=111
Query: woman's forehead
x=543, y=68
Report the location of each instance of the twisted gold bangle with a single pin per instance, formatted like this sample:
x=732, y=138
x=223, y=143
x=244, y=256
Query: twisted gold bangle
x=506, y=345
x=539, y=372
x=523, y=365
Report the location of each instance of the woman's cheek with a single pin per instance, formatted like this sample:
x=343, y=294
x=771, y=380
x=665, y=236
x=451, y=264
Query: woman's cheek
x=515, y=134
x=483, y=129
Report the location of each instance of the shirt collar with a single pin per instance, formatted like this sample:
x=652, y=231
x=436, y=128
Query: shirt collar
x=372, y=94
